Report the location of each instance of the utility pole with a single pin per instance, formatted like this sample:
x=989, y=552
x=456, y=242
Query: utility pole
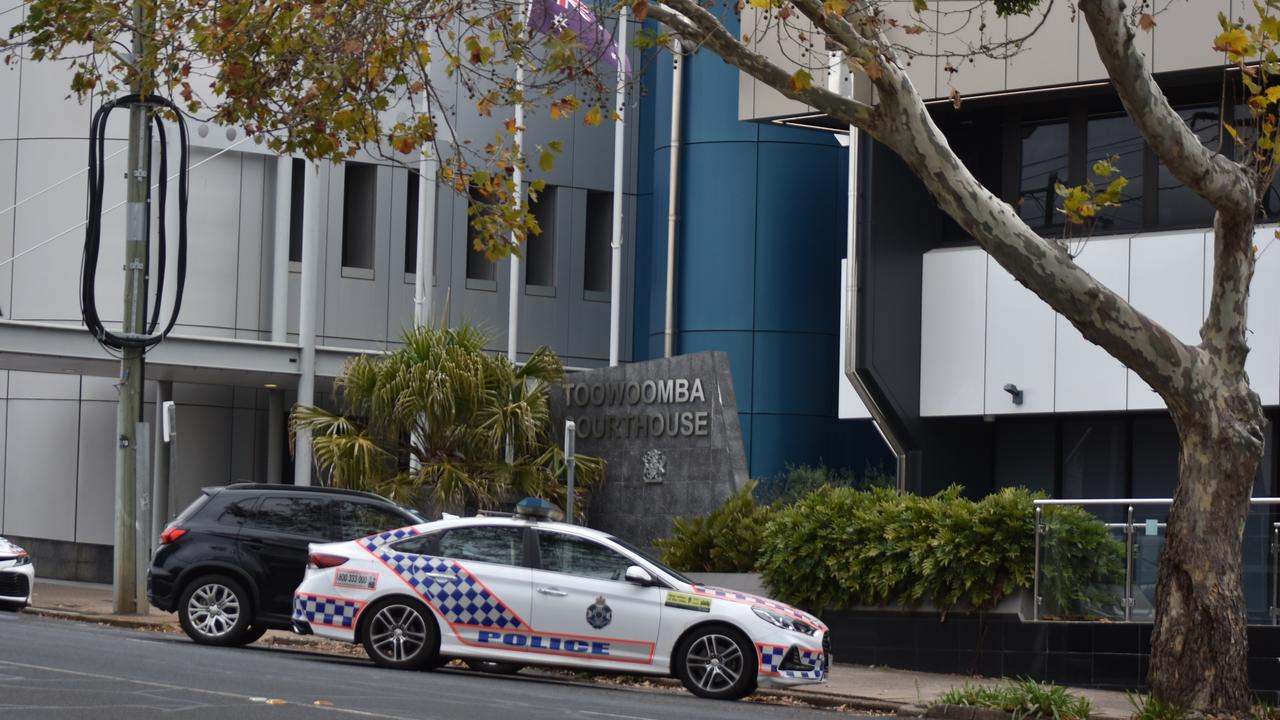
x=129, y=407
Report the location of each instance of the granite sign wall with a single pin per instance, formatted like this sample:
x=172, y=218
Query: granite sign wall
x=668, y=430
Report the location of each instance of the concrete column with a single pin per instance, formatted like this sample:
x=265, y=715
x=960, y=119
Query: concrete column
x=279, y=313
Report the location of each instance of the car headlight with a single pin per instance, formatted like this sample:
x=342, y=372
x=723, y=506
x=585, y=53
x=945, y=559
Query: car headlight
x=786, y=622
x=23, y=559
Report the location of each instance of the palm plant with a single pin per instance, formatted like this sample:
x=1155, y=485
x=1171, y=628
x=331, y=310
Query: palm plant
x=442, y=415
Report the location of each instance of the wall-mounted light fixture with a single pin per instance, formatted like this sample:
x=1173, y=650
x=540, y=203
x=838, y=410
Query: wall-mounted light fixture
x=1014, y=392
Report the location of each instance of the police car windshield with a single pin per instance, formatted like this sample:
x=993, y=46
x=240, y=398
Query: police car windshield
x=661, y=566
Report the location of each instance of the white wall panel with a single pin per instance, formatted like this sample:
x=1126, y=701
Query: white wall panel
x=1019, y=349
x=962, y=31
x=1049, y=56
x=1166, y=282
x=42, y=386
x=213, y=227
x=44, y=111
x=96, y=476
x=952, y=341
x=4, y=436
x=40, y=471
x=1088, y=379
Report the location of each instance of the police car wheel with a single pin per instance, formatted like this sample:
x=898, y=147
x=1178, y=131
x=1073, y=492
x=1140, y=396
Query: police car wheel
x=401, y=634
x=718, y=662
x=494, y=667
x=215, y=610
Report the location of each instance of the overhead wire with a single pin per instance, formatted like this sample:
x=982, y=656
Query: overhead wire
x=117, y=206
x=61, y=182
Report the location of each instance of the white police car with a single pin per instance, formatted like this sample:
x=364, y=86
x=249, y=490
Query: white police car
x=525, y=590
x=16, y=576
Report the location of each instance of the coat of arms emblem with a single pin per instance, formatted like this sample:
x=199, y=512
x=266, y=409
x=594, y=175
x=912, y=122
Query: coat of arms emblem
x=655, y=466
x=599, y=614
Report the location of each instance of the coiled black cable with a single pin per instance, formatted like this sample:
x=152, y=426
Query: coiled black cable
x=93, y=231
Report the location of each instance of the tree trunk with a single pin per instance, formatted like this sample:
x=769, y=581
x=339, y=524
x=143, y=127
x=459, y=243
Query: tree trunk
x=1199, y=647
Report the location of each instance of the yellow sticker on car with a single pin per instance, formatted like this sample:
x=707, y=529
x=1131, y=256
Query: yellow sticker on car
x=688, y=602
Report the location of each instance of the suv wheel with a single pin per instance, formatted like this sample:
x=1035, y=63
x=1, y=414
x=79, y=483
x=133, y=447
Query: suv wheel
x=400, y=633
x=216, y=610
x=718, y=662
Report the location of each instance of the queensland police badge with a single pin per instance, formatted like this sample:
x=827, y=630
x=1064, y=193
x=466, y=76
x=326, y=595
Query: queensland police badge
x=599, y=614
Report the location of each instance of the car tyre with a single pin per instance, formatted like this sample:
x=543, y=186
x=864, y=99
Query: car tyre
x=717, y=662
x=494, y=667
x=11, y=606
x=216, y=610
x=400, y=633
x=255, y=634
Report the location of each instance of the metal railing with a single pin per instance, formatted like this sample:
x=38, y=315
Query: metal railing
x=1152, y=526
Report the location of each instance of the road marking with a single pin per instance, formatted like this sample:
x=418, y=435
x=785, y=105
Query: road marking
x=612, y=715
x=236, y=696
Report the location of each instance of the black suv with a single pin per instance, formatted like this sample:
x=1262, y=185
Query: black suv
x=228, y=565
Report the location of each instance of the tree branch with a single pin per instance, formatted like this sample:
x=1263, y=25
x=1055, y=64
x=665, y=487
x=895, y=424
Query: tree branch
x=1212, y=176
x=697, y=25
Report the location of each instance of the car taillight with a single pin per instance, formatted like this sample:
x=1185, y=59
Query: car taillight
x=324, y=560
x=171, y=534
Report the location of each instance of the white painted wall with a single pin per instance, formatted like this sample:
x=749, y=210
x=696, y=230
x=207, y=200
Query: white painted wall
x=981, y=329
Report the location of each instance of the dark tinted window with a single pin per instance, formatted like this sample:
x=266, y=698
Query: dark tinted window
x=1044, y=165
x=501, y=545
x=1178, y=205
x=418, y=545
x=1117, y=137
x=356, y=519
x=303, y=516
x=576, y=556
x=237, y=512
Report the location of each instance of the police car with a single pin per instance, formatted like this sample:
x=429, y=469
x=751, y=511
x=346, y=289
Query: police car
x=16, y=576
x=514, y=591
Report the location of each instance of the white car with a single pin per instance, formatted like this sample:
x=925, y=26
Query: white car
x=509, y=592
x=17, y=575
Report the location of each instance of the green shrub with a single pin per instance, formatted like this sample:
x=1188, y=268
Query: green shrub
x=1023, y=699
x=727, y=540
x=798, y=481
x=841, y=547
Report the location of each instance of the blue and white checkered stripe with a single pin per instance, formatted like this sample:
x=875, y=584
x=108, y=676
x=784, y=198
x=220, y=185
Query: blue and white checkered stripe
x=771, y=657
x=326, y=610
x=376, y=541
x=449, y=587
x=735, y=596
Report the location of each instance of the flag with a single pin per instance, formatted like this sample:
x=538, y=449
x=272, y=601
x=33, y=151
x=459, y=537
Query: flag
x=553, y=17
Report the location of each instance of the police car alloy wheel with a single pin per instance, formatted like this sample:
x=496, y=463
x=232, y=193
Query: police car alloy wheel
x=216, y=610
x=400, y=634
x=717, y=662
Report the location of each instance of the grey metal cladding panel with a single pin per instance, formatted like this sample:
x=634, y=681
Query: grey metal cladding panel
x=485, y=309
x=356, y=307
x=43, y=386
x=8, y=196
x=1183, y=36
x=95, y=483
x=963, y=31
x=4, y=436
x=203, y=451
x=592, y=154
x=10, y=74
x=40, y=480
x=43, y=108
x=446, y=230
x=264, y=272
x=256, y=202
x=46, y=282
x=213, y=230
x=588, y=319
x=399, y=290
x=1048, y=57
x=246, y=428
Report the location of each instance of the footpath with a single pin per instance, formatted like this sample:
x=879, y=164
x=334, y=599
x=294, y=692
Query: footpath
x=852, y=687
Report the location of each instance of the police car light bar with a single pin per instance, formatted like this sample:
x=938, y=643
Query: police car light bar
x=538, y=508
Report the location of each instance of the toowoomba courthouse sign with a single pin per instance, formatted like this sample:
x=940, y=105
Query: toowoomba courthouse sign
x=668, y=430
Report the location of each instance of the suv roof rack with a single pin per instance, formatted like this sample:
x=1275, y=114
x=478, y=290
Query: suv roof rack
x=293, y=488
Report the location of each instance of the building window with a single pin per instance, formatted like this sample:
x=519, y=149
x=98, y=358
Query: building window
x=540, y=249
x=479, y=267
x=1178, y=206
x=411, y=223
x=1045, y=157
x=596, y=271
x=297, y=195
x=359, y=204
x=1117, y=137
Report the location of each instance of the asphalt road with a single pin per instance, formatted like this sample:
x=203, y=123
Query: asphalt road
x=69, y=670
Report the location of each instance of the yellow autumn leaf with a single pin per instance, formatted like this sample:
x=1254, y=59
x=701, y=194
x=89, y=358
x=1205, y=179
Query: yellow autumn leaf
x=1233, y=41
x=801, y=80
x=1273, y=93
x=593, y=116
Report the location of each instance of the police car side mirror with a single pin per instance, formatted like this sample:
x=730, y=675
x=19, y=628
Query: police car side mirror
x=639, y=576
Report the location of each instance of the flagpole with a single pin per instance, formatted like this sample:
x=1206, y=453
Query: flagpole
x=513, y=298
x=619, y=162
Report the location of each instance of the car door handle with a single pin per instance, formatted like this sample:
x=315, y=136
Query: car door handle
x=553, y=592
x=442, y=576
